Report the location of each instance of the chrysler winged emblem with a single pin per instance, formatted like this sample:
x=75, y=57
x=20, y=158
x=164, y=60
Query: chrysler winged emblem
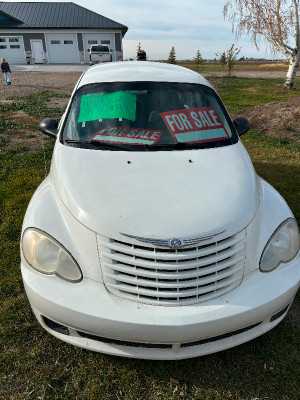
x=174, y=243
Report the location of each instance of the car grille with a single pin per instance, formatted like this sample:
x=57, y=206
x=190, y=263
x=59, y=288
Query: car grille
x=162, y=276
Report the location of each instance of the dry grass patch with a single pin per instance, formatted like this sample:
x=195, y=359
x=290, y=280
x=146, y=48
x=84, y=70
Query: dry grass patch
x=280, y=118
x=283, y=65
x=60, y=102
x=5, y=101
x=249, y=90
x=22, y=117
x=25, y=139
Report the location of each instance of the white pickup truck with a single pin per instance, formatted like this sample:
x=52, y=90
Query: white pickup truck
x=99, y=53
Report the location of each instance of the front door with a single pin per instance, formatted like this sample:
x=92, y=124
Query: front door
x=37, y=51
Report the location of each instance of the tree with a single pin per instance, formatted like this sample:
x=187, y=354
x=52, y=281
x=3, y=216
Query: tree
x=277, y=21
x=229, y=57
x=222, y=58
x=198, y=59
x=172, y=56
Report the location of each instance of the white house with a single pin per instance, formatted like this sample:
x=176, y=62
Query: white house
x=55, y=33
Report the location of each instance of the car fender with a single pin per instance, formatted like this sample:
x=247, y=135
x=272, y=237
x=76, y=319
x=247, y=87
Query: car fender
x=272, y=212
x=47, y=213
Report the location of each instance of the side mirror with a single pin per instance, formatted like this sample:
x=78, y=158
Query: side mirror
x=49, y=127
x=242, y=125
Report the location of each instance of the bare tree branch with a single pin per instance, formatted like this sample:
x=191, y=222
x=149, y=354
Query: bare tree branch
x=276, y=21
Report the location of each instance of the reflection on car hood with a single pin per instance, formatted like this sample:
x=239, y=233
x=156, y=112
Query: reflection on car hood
x=157, y=194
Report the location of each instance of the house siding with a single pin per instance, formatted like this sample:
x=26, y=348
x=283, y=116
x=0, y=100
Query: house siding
x=118, y=42
x=33, y=36
x=80, y=41
x=80, y=48
x=37, y=21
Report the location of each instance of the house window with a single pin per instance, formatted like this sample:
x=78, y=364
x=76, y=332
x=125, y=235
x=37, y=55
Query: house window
x=68, y=41
x=105, y=41
x=2, y=46
x=15, y=39
x=92, y=41
x=55, y=41
x=14, y=46
x=2, y=40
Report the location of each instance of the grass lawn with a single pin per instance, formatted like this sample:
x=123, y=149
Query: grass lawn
x=238, y=93
x=35, y=365
x=251, y=66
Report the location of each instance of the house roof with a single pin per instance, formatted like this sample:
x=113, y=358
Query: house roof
x=29, y=15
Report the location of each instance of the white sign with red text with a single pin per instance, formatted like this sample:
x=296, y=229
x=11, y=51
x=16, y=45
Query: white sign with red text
x=195, y=125
x=134, y=136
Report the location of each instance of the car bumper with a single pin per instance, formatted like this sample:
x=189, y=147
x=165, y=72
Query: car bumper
x=87, y=315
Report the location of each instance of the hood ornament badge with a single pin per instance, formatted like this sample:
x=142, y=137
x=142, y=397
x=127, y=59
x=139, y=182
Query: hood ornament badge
x=174, y=243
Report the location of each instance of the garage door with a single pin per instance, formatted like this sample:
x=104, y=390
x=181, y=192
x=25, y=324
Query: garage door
x=97, y=38
x=12, y=49
x=62, y=48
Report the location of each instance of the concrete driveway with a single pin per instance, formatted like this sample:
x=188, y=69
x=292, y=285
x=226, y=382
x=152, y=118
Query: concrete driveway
x=50, y=67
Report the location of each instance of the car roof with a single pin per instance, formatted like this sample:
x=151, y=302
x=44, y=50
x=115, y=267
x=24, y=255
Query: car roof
x=137, y=71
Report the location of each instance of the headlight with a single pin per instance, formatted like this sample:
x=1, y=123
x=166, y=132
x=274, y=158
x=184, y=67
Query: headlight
x=48, y=256
x=283, y=246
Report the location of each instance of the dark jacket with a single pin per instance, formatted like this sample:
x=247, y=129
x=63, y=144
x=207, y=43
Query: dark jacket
x=5, y=67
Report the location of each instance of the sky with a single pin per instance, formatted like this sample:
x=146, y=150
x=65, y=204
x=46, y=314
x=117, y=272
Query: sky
x=188, y=25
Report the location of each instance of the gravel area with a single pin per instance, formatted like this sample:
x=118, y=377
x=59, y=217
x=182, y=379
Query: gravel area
x=23, y=83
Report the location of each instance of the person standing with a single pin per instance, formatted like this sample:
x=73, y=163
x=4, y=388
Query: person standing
x=6, y=70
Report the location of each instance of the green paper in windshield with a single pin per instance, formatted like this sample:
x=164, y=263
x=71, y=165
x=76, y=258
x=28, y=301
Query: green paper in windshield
x=107, y=106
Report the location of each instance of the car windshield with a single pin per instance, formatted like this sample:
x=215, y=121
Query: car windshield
x=99, y=48
x=138, y=116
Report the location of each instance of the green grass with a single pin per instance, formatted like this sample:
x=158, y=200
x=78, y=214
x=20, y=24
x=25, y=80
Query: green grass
x=238, y=93
x=277, y=160
x=240, y=66
x=35, y=365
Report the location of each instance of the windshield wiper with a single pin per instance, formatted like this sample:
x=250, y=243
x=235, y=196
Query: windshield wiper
x=112, y=146
x=172, y=146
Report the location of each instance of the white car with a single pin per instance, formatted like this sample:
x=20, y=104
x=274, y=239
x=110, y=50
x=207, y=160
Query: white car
x=152, y=236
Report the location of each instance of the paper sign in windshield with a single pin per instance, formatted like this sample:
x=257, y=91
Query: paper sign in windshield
x=106, y=106
x=134, y=136
x=195, y=125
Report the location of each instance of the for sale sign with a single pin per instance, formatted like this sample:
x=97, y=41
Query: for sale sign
x=195, y=125
x=135, y=136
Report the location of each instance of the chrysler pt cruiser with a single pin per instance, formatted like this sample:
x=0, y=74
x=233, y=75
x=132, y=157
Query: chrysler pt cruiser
x=152, y=236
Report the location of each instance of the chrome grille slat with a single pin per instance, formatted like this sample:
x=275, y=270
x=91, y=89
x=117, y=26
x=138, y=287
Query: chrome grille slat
x=173, y=274
x=168, y=294
x=209, y=259
x=171, y=285
x=175, y=255
x=189, y=275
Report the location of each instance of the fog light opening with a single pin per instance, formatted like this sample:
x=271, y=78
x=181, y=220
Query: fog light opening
x=56, y=326
x=279, y=313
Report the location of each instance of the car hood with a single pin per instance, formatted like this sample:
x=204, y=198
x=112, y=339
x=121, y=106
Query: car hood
x=161, y=194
